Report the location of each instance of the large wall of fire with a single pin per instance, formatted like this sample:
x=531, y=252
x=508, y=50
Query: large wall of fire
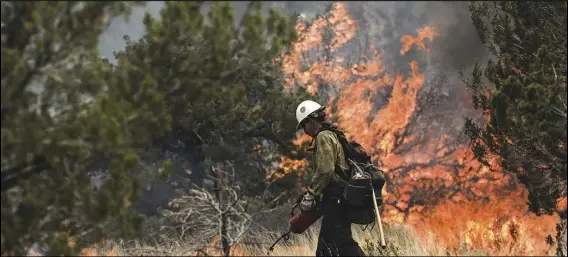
x=410, y=120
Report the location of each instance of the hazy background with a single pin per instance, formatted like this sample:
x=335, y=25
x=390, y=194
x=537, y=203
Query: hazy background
x=380, y=23
x=386, y=22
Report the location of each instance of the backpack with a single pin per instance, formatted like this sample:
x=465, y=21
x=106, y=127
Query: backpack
x=363, y=175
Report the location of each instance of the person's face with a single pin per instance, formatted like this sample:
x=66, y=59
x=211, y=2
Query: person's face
x=310, y=127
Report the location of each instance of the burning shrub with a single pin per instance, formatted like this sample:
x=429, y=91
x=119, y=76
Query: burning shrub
x=415, y=132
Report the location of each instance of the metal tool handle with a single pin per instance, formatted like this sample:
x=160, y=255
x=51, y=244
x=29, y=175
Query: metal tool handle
x=382, y=235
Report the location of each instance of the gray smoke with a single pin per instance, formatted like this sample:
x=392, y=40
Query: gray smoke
x=456, y=46
x=112, y=40
x=380, y=23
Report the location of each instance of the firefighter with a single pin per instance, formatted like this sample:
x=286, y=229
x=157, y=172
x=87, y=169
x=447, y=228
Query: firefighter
x=335, y=238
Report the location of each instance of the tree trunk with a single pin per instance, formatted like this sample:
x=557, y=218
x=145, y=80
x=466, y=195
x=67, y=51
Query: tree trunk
x=224, y=216
x=224, y=236
x=561, y=234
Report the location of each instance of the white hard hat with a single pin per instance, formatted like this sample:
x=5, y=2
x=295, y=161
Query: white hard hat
x=306, y=108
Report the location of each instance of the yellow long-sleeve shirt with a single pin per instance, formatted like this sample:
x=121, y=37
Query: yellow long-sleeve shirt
x=328, y=156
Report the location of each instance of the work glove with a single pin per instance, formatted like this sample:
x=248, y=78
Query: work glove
x=308, y=202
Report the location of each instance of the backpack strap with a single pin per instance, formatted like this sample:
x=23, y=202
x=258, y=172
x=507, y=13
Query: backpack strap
x=343, y=141
x=347, y=151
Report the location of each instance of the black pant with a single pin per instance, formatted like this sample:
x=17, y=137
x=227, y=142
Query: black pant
x=335, y=237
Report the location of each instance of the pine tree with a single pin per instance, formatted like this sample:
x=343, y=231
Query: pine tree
x=222, y=83
x=522, y=92
x=63, y=109
x=212, y=87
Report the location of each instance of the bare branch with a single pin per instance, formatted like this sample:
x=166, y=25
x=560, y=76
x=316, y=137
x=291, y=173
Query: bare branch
x=216, y=211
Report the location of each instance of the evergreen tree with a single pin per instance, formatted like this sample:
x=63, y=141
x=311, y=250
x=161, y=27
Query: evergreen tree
x=222, y=82
x=522, y=92
x=214, y=87
x=63, y=109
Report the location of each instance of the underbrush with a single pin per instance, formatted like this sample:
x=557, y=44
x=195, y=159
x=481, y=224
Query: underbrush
x=401, y=241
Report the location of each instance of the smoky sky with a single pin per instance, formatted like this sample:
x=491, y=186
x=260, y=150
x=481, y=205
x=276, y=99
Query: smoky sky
x=385, y=23
x=112, y=39
x=381, y=23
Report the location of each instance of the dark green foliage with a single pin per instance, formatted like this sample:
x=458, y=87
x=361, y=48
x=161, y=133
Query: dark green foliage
x=526, y=102
x=62, y=110
x=223, y=89
x=213, y=86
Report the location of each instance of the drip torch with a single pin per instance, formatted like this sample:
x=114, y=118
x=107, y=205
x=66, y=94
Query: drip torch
x=299, y=222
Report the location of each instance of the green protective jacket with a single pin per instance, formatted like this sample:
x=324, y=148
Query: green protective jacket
x=328, y=163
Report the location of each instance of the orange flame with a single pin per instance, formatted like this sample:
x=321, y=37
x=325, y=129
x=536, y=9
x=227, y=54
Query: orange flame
x=343, y=28
x=423, y=33
x=289, y=165
x=496, y=227
x=432, y=185
x=96, y=250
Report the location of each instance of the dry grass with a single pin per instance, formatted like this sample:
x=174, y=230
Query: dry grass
x=401, y=241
